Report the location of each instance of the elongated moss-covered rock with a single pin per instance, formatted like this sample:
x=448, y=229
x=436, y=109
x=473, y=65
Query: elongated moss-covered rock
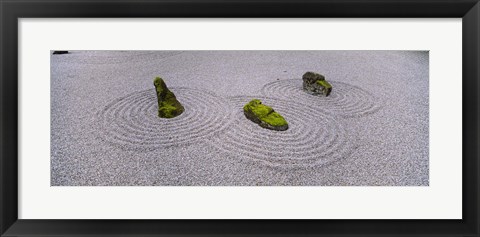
x=168, y=105
x=264, y=116
x=316, y=84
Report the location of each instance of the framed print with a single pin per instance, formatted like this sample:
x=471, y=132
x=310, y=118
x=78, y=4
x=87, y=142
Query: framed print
x=239, y=118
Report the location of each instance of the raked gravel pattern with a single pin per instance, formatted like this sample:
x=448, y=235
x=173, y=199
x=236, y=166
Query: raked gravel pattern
x=313, y=138
x=131, y=122
x=347, y=101
x=372, y=131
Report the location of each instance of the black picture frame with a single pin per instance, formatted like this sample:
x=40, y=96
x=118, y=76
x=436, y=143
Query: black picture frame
x=11, y=11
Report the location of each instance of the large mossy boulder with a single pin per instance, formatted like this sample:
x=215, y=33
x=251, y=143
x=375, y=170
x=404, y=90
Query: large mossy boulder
x=168, y=105
x=264, y=116
x=316, y=84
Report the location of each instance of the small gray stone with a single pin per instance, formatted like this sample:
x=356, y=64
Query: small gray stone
x=60, y=52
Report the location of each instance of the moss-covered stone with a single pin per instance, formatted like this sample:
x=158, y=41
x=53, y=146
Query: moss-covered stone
x=168, y=105
x=316, y=84
x=264, y=115
x=312, y=77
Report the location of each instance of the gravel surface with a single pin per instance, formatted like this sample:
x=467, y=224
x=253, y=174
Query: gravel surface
x=373, y=130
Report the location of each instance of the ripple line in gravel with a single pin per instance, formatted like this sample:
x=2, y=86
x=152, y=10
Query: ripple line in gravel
x=314, y=137
x=345, y=100
x=131, y=122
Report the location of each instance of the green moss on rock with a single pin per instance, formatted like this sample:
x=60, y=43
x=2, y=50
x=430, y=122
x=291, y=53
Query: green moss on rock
x=264, y=115
x=316, y=84
x=312, y=77
x=168, y=105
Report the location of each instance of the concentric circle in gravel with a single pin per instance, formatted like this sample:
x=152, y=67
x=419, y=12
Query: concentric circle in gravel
x=313, y=137
x=132, y=122
x=345, y=100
